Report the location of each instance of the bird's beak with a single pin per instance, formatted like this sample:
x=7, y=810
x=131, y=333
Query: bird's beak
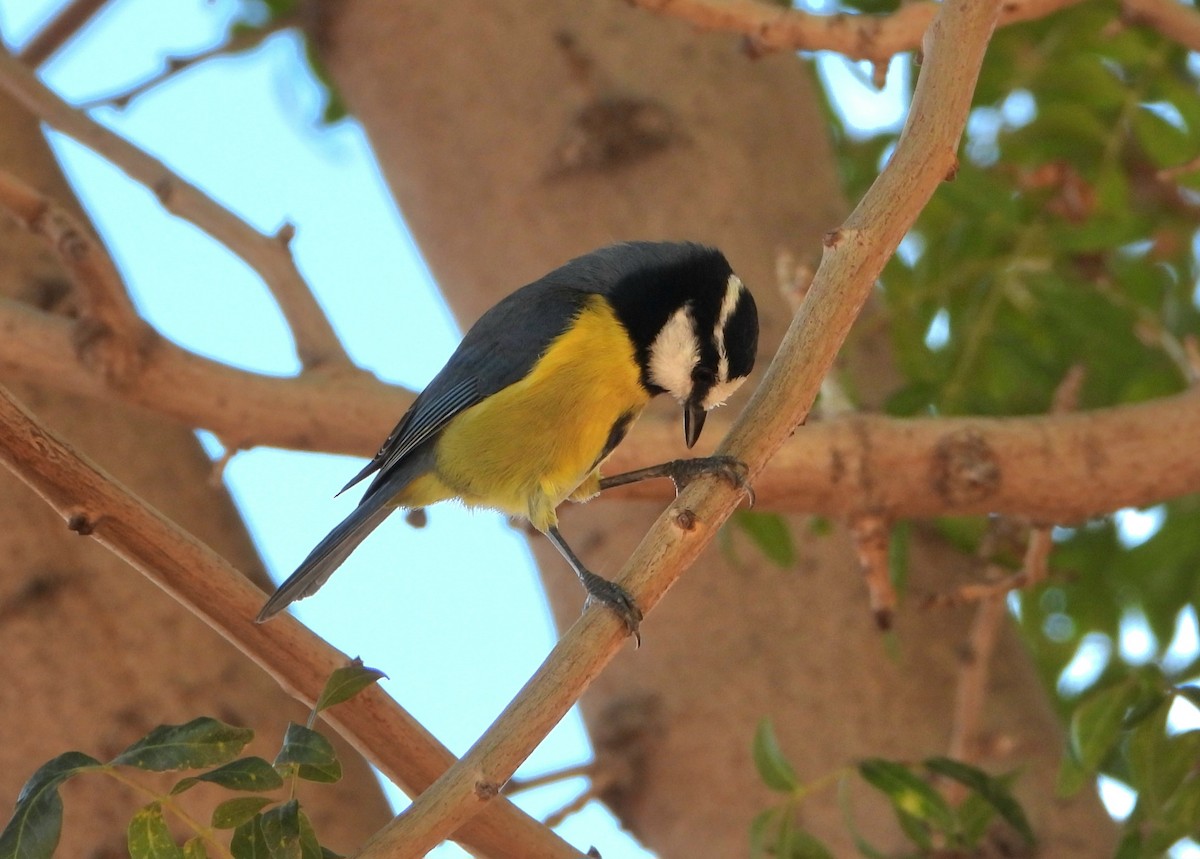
x=693, y=422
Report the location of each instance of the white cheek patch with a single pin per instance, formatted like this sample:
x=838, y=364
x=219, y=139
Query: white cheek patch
x=721, y=392
x=674, y=353
x=733, y=291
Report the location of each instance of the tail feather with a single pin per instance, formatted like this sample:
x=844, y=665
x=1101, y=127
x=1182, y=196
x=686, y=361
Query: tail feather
x=328, y=555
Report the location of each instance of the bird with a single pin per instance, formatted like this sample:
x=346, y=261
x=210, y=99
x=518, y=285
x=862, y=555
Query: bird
x=545, y=385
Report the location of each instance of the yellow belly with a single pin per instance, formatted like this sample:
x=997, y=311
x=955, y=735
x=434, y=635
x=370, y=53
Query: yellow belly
x=528, y=447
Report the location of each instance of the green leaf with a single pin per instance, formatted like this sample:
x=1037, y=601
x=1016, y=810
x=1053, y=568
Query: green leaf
x=1096, y=724
x=312, y=755
x=773, y=767
x=1165, y=143
x=248, y=841
x=346, y=682
x=252, y=773
x=768, y=531
x=1181, y=812
x=799, y=844
x=974, y=815
x=149, y=837
x=194, y=848
x=995, y=791
x=36, y=824
x=310, y=848
x=233, y=813
x=281, y=831
x=909, y=793
x=202, y=742
x=758, y=831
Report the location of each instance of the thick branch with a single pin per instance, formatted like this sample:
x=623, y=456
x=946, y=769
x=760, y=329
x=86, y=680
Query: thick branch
x=1054, y=468
x=875, y=38
x=59, y=30
x=269, y=256
x=925, y=153
x=94, y=504
x=110, y=336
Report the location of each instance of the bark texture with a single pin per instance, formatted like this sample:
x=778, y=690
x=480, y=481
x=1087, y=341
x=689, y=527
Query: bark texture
x=93, y=655
x=516, y=135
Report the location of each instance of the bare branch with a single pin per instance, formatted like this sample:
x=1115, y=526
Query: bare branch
x=316, y=342
x=872, y=538
x=1053, y=468
x=924, y=155
x=875, y=38
x=59, y=30
x=239, y=40
x=1172, y=19
x=971, y=693
x=93, y=503
x=110, y=336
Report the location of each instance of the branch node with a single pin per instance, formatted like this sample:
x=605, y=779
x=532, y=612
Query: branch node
x=285, y=234
x=487, y=790
x=82, y=524
x=164, y=190
x=685, y=519
x=879, y=72
x=952, y=172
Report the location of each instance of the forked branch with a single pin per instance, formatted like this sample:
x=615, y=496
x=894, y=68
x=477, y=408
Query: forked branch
x=925, y=155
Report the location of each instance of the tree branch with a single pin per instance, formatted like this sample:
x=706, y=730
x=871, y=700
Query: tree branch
x=316, y=342
x=96, y=505
x=924, y=156
x=238, y=41
x=59, y=30
x=1052, y=468
x=875, y=38
x=110, y=335
x=1172, y=19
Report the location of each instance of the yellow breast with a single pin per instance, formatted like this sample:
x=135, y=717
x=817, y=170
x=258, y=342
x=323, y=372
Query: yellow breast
x=526, y=448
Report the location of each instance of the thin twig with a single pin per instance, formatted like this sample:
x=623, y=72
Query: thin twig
x=95, y=504
x=316, y=342
x=872, y=539
x=924, y=156
x=966, y=739
x=517, y=785
x=109, y=336
x=240, y=40
x=971, y=693
x=875, y=38
x=59, y=30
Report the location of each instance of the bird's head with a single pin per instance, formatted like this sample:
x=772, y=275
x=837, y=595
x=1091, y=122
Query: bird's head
x=693, y=323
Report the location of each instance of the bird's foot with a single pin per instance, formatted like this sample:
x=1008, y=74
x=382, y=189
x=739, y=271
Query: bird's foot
x=733, y=471
x=684, y=471
x=616, y=598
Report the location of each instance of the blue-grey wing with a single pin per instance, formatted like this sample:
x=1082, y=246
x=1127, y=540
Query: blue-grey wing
x=497, y=351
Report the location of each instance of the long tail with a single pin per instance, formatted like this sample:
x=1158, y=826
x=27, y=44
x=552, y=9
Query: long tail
x=328, y=555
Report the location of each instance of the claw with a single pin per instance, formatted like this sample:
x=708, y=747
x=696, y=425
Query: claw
x=616, y=598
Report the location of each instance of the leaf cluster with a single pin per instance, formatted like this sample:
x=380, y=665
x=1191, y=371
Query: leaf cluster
x=1123, y=730
x=1068, y=237
x=930, y=822
x=259, y=827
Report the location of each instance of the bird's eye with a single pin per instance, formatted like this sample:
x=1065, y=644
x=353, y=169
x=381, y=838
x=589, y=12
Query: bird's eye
x=701, y=375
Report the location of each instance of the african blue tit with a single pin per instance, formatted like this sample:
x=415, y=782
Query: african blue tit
x=543, y=388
